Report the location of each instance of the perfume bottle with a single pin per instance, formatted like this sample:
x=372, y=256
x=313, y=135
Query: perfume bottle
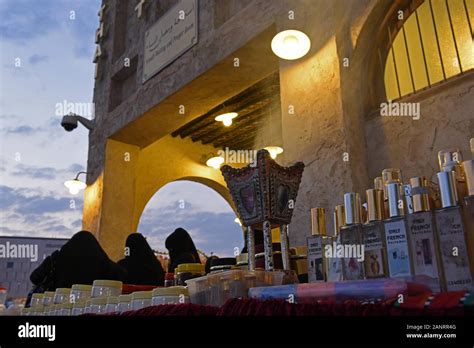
x=398, y=255
x=422, y=236
x=390, y=175
x=378, y=183
x=373, y=236
x=468, y=167
x=450, y=160
x=351, y=234
x=316, y=243
x=451, y=236
x=334, y=264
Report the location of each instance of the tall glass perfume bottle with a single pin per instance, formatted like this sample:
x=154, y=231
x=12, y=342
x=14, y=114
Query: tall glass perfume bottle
x=451, y=236
x=421, y=236
x=450, y=160
x=373, y=236
x=398, y=254
x=316, y=244
x=334, y=264
x=351, y=235
x=390, y=175
x=468, y=167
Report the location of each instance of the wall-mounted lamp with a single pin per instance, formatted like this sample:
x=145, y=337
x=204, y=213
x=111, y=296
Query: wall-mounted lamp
x=215, y=162
x=75, y=185
x=69, y=122
x=227, y=118
x=274, y=151
x=291, y=44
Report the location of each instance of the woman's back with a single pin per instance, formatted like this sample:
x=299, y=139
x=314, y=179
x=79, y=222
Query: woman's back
x=141, y=264
x=80, y=261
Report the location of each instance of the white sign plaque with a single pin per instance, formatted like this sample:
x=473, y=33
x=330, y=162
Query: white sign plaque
x=172, y=35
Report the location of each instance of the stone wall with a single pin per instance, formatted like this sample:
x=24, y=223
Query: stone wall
x=446, y=122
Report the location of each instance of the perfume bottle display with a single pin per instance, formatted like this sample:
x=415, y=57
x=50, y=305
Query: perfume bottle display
x=468, y=169
x=334, y=264
x=398, y=254
x=452, y=238
x=351, y=235
x=375, y=257
x=421, y=236
x=316, y=243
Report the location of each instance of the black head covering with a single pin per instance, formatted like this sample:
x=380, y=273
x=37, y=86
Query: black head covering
x=82, y=260
x=181, y=249
x=141, y=264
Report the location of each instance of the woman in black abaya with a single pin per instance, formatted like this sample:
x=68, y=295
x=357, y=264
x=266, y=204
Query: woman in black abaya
x=181, y=249
x=80, y=261
x=141, y=264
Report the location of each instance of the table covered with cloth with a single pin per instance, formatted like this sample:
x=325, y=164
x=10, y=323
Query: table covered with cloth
x=417, y=303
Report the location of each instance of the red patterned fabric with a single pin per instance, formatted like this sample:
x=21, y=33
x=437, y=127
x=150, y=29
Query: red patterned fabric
x=418, y=302
x=188, y=310
x=251, y=307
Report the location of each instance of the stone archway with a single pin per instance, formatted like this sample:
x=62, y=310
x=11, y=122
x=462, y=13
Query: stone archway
x=132, y=176
x=195, y=205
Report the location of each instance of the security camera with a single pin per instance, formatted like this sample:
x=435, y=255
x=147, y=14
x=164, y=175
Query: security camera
x=69, y=122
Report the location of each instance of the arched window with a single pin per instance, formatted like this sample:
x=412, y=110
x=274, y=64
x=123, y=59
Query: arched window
x=433, y=44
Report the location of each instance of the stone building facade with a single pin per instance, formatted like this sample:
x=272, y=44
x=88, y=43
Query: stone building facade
x=328, y=104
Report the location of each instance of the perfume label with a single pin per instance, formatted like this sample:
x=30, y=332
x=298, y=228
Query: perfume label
x=352, y=267
x=315, y=259
x=398, y=256
x=333, y=265
x=422, y=245
x=453, y=249
x=469, y=220
x=374, y=258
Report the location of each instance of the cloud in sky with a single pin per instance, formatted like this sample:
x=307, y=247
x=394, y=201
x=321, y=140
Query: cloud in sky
x=21, y=21
x=29, y=213
x=36, y=172
x=36, y=58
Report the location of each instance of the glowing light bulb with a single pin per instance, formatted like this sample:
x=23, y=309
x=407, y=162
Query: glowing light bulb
x=227, y=118
x=73, y=191
x=274, y=151
x=75, y=186
x=215, y=162
x=237, y=221
x=291, y=44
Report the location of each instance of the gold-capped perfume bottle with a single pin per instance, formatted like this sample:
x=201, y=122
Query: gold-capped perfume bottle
x=390, y=175
x=450, y=160
x=373, y=236
x=398, y=254
x=468, y=167
x=422, y=236
x=316, y=244
x=469, y=209
x=451, y=236
x=351, y=238
x=334, y=264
